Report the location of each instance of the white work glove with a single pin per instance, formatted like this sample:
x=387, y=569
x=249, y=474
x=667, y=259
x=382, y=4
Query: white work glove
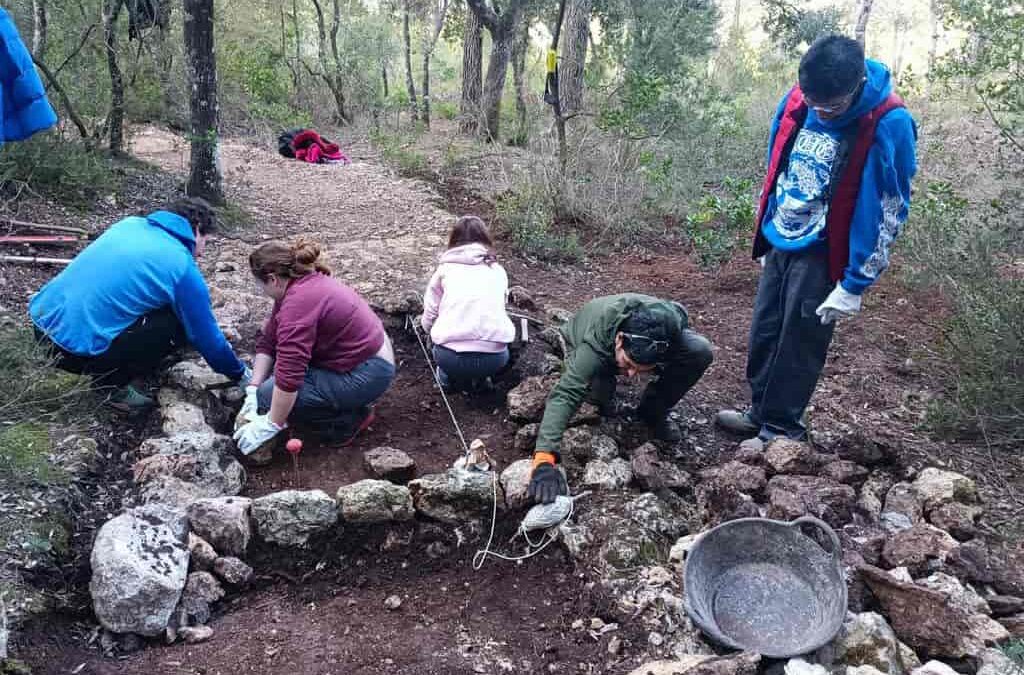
x=257, y=432
x=249, y=407
x=246, y=377
x=839, y=304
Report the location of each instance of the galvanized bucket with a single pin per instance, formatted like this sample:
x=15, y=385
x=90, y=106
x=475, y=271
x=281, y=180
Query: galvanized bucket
x=764, y=586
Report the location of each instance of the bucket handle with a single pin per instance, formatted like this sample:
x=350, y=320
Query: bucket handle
x=837, y=550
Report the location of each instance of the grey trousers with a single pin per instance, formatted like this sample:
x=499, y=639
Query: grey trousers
x=788, y=343
x=327, y=396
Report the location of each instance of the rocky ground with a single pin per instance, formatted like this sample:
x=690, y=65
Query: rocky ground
x=361, y=561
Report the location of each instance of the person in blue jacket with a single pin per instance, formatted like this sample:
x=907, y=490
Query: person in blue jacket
x=841, y=155
x=24, y=106
x=132, y=297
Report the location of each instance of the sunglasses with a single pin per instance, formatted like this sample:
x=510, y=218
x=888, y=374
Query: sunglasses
x=839, y=104
x=644, y=343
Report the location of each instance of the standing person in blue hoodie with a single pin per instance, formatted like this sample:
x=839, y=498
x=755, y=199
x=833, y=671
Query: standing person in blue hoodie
x=132, y=297
x=841, y=155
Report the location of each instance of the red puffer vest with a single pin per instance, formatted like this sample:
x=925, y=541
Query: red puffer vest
x=844, y=197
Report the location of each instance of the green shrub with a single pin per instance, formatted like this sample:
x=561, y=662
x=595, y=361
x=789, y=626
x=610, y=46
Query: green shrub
x=398, y=150
x=63, y=169
x=31, y=389
x=528, y=220
x=965, y=254
x=721, y=221
x=446, y=110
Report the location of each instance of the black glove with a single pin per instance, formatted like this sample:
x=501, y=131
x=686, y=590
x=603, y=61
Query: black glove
x=546, y=483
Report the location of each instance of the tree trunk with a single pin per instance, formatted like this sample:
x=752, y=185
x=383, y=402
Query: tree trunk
x=410, y=83
x=204, y=173
x=296, y=70
x=472, y=73
x=329, y=73
x=338, y=89
x=519, y=48
x=115, y=120
x=575, y=36
x=39, y=28
x=426, y=89
x=384, y=75
x=494, y=80
x=863, y=15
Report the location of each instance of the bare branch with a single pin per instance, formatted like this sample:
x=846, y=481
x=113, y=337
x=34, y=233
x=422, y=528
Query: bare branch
x=65, y=101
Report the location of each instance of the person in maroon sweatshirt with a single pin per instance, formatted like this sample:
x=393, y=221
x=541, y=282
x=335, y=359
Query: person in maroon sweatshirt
x=327, y=350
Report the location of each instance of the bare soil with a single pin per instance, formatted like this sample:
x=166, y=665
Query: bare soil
x=322, y=611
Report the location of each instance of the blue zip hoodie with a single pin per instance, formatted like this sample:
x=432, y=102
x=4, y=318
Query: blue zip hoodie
x=22, y=96
x=796, y=212
x=138, y=265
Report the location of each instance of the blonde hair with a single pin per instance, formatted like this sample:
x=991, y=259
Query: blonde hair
x=287, y=261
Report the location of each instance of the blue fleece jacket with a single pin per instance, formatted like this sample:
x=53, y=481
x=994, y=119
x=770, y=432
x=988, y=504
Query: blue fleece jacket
x=136, y=266
x=796, y=213
x=22, y=96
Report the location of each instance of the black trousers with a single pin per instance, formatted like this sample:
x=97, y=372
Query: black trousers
x=136, y=352
x=788, y=343
x=674, y=378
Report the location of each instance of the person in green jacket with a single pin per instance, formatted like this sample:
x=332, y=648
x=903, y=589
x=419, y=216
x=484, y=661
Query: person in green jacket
x=624, y=334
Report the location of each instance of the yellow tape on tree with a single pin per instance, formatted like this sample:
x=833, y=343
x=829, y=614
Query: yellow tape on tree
x=552, y=60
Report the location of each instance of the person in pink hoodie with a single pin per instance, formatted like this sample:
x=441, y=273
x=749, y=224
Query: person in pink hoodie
x=464, y=309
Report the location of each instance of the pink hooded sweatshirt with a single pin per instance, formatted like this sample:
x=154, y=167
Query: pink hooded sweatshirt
x=464, y=306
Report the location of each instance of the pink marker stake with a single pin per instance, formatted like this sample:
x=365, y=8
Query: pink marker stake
x=294, y=447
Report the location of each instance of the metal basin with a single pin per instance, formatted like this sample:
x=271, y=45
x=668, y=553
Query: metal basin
x=764, y=586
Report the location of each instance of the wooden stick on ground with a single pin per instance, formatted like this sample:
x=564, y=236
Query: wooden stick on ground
x=33, y=260
x=41, y=226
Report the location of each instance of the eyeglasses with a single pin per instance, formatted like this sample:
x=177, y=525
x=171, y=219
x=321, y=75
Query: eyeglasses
x=839, y=104
x=642, y=342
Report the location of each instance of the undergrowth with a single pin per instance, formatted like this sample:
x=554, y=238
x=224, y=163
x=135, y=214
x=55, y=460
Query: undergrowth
x=721, y=220
x=969, y=256
x=68, y=171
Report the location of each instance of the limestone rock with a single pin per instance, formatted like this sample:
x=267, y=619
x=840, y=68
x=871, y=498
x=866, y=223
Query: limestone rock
x=801, y=667
x=224, y=522
x=921, y=549
x=1014, y=625
x=995, y=662
x=613, y=475
x=526, y=438
x=181, y=417
x=934, y=668
x=793, y=496
x=937, y=487
x=188, y=466
x=845, y=471
x=1000, y=565
x=654, y=472
x=515, y=481
x=196, y=634
x=232, y=570
x=526, y=402
x=862, y=670
x=872, y=494
x=173, y=492
x=201, y=590
x=655, y=515
x=390, y=464
x=866, y=639
x=903, y=499
x=719, y=501
x=1005, y=605
x=194, y=376
x=557, y=315
x=456, y=496
x=927, y=621
x=745, y=478
x=693, y=664
x=521, y=298
x=681, y=548
x=583, y=445
x=860, y=449
x=139, y=568
x=201, y=553
x=784, y=455
x=868, y=541
x=960, y=596
x=291, y=517
x=956, y=518
x=374, y=501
